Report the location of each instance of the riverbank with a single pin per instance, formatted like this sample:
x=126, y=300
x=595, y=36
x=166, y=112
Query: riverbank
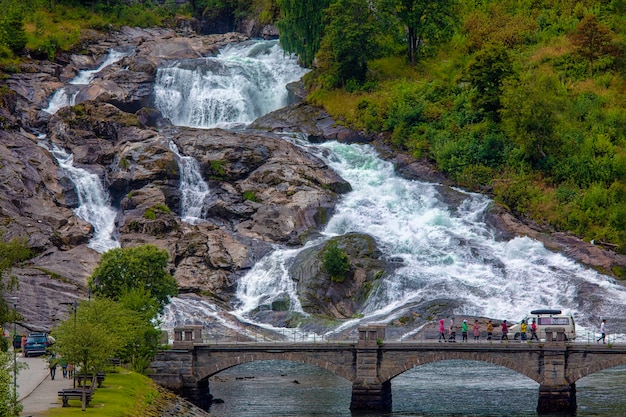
x=123, y=393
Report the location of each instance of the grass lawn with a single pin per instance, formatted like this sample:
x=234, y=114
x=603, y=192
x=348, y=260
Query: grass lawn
x=123, y=393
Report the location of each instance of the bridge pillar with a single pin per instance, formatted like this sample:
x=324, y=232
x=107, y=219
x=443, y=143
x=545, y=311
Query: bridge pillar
x=173, y=369
x=368, y=392
x=556, y=394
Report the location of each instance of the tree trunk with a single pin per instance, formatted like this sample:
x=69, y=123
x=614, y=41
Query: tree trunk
x=412, y=44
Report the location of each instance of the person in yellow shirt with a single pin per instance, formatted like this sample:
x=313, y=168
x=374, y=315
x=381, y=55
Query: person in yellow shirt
x=523, y=329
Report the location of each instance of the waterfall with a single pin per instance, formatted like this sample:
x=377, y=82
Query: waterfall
x=63, y=97
x=447, y=252
x=243, y=82
x=194, y=189
x=66, y=96
x=94, y=205
x=85, y=77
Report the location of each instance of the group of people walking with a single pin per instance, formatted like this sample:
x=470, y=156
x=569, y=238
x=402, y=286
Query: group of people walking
x=66, y=368
x=476, y=331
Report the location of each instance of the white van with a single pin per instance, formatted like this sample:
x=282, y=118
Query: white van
x=543, y=319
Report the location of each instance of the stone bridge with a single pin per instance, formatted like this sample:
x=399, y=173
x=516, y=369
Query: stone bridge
x=371, y=363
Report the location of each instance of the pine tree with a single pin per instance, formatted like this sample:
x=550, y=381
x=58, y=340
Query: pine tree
x=14, y=32
x=301, y=27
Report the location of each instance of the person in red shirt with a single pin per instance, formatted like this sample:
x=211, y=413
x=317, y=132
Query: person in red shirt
x=23, y=342
x=533, y=331
x=442, y=330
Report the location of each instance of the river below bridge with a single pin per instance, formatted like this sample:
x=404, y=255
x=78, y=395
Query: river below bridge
x=449, y=388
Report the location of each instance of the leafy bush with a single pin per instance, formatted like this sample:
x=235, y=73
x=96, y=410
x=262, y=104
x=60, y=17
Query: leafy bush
x=250, y=196
x=151, y=212
x=335, y=262
x=218, y=170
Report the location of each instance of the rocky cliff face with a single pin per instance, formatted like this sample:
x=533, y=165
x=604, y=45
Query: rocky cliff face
x=264, y=190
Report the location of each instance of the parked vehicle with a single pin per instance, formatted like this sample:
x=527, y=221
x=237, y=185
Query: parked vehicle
x=546, y=318
x=37, y=344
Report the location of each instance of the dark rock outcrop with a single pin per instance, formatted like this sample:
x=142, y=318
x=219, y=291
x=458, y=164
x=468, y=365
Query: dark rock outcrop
x=319, y=294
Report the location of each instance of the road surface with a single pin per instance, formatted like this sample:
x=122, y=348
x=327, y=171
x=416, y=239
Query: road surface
x=36, y=390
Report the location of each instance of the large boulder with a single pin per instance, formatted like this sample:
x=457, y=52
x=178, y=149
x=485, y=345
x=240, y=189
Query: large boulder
x=340, y=299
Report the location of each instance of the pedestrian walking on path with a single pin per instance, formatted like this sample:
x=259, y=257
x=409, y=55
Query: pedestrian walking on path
x=602, y=332
x=442, y=330
x=533, y=331
x=464, y=331
x=452, y=330
x=476, y=331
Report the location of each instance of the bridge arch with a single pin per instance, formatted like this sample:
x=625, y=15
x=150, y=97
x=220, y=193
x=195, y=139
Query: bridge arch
x=586, y=365
x=411, y=361
x=206, y=371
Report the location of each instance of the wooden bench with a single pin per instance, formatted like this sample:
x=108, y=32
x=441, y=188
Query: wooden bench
x=79, y=380
x=74, y=394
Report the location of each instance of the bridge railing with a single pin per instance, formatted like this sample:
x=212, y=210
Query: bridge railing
x=198, y=334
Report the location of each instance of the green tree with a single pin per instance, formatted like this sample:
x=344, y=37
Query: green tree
x=486, y=74
x=98, y=330
x=123, y=269
x=11, y=253
x=429, y=22
x=335, y=262
x=348, y=42
x=215, y=8
x=13, y=31
x=9, y=405
x=592, y=40
x=531, y=110
x=141, y=347
x=301, y=27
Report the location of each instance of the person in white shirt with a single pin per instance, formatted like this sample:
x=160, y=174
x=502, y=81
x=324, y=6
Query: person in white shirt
x=602, y=332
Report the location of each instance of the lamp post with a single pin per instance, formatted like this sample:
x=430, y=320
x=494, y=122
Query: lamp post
x=14, y=352
x=75, y=307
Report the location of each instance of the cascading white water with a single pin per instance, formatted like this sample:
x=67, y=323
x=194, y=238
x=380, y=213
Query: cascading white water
x=194, y=189
x=243, y=82
x=95, y=207
x=63, y=97
x=85, y=77
x=447, y=252
x=66, y=96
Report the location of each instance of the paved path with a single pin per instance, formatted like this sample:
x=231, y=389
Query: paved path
x=37, y=392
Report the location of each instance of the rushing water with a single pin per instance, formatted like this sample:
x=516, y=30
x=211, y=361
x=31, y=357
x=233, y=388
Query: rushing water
x=94, y=205
x=94, y=200
x=67, y=96
x=447, y=250
x=243, y=82
x=193, y=187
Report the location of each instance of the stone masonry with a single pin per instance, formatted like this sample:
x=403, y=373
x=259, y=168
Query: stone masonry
x=371, y=363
